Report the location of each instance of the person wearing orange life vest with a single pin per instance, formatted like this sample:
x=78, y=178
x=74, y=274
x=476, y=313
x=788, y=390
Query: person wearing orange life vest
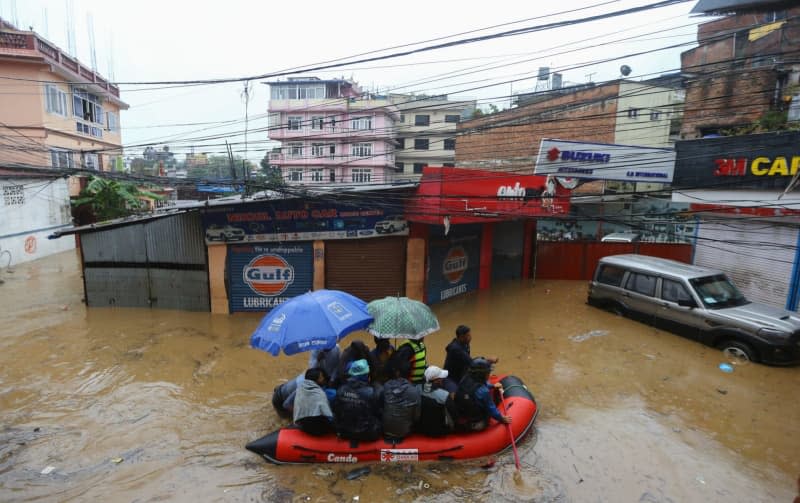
x=411, y=358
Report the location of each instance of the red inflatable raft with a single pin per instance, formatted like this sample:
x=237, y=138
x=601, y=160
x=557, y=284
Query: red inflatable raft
x=291, y=445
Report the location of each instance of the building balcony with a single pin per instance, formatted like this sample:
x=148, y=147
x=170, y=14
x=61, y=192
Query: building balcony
x=330, y=133
x=27, y=45
x=287, y=160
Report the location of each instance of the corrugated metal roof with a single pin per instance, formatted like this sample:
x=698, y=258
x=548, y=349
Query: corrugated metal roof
x=317, y=191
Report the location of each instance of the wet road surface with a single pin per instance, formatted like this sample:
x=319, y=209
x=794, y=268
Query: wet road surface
x=147, y=405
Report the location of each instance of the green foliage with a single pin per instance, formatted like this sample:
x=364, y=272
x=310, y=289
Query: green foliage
x=111, y=199
x=771, y=120
x=219, y=166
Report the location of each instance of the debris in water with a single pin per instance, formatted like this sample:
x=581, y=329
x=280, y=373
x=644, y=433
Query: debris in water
x=588, y=335
x=37, y=429
x=48, y=469
x=489, y=463
x=323, y=472
x=116, y=461
x=358, y=472
x=726, y=367
x=722, y=391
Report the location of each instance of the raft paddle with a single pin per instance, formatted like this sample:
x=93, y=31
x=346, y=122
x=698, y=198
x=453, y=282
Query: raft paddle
x=510, y=432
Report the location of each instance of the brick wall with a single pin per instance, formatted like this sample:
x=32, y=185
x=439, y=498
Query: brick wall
x=509, y=140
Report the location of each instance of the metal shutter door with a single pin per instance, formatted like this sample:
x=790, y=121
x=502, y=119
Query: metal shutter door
x=757, y=256
x=367, y=268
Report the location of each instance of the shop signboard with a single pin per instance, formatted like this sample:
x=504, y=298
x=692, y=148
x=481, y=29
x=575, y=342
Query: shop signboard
x=454, y=263
x=261, y=277
x=568, y=160
x=767, y=161
x=299, y=220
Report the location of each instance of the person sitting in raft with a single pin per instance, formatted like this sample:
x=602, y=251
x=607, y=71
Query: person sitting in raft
x=283, y=394
x=411, y=357
x=458, y=358
x=357, y=350
x=312, y=410
x=357, y=406
x=474, y=400
x=401, y=402
x=437, y=408
x=381, y=354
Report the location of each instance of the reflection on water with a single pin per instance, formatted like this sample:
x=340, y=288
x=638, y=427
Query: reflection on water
x=141, y=405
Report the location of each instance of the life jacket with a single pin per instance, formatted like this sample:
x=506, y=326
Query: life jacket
x=469, y=410
x=418, y=361
x=355, y=408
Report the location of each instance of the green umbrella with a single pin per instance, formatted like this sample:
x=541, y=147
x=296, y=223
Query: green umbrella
x=401, y=317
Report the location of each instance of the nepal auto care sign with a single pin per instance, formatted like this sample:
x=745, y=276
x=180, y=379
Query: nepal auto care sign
x=454, y=263
x=568, y=160
x=261, y=277
x=299, y=220
x=765, y=161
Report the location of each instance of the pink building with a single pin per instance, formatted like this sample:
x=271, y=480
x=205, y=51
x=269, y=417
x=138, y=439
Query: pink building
x=331, y=132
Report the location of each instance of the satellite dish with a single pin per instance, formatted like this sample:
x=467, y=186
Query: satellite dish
x=625, y=70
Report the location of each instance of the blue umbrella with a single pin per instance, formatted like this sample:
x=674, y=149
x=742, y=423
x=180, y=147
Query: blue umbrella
x=314, y=320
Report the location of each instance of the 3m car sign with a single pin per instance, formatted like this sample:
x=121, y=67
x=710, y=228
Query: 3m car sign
x=600, y=161
x=262, y=277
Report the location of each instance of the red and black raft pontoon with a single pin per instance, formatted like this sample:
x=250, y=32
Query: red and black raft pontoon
x=291, y=445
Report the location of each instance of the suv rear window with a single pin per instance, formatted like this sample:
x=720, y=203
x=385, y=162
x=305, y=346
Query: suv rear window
x=610, y=275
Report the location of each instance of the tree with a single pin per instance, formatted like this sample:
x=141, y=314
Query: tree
x=111, y=199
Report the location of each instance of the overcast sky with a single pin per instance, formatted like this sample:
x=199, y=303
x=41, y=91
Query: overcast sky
x=176, y=40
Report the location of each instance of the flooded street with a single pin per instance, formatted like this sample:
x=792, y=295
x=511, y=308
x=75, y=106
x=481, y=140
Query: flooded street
x=148, y=405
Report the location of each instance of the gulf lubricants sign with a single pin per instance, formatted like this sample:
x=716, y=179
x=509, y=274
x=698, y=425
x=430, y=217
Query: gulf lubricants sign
x=262, y=277
x=454, y=266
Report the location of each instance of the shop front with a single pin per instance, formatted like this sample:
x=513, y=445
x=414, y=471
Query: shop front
x=478, y=226
x=741, y=191
x=261, y=254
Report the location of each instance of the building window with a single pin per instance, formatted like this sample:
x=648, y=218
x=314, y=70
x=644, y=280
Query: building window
x=422, y=120
x=84, y=128
x=61, y=159
x=332, y=122
x=361, y=175
x=318, y=149
x=633, y=113
x=361, y=123
x=87, y=106
x=450, y=144
x=296, y=175
x=421, y=144
x=316, y=175
x=400, y=167
x=332, y=175
x=361, y=149
x=295, y=150
x=332, y=151
x=294, y=122
x=317, y=121
x=91, y=161
x=13, y=195
x=401, y=143
x=418, y=167
x=402, y=117
x=112, y=121
x=56, y=100
x=452, y=118
x=655, y=115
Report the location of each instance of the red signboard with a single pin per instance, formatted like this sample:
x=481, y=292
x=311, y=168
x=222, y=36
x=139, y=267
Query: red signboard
x=470, y=195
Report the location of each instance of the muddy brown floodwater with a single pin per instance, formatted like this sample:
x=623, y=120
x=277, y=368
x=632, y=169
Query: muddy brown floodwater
x=143, y=405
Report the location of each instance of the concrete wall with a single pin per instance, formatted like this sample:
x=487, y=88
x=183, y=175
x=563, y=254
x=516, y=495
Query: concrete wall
x=26, y=221
x=655, y=106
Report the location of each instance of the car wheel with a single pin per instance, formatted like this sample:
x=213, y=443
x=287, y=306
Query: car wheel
x=391, y=229
x=737, y=351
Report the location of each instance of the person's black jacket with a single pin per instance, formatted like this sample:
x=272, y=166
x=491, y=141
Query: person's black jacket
x=357, y=410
